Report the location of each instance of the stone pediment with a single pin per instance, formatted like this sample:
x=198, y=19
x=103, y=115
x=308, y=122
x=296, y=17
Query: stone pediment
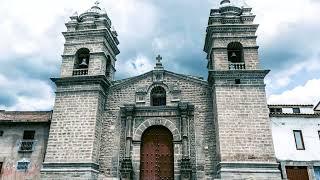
x=132, y=80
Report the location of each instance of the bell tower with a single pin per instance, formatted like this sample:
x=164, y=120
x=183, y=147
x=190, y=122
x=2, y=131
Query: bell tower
x=91, y=45
x=243, y=131
x=88, y=67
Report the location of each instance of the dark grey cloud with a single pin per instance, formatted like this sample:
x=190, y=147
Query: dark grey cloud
x=28, y=68
x=177, y=32
x=179, y=23
x=7, y=99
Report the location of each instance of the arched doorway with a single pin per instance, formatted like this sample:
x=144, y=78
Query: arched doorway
x=157, y=154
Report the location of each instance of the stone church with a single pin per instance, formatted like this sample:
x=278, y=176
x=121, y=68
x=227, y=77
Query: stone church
x=161, y=124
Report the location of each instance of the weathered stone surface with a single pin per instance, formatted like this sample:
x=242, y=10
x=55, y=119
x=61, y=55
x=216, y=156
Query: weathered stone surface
x=13, y=125
x=193, y=91
x=240, y=110
x=220, y=127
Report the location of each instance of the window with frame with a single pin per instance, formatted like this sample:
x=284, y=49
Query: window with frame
x=1, y=163
x=296, y=110
x=28, y=135
x=158, y=96
x=23, y=165
x=27, y=143
x=319, y=134
x=108, y=66
x=1, y=133
x=299, y=139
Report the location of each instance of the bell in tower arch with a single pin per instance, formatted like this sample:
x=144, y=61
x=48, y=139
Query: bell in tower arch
x=233, y=57
x=83, y=63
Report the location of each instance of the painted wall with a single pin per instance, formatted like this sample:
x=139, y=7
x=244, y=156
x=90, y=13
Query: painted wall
x=284, y=142
x=9, y=155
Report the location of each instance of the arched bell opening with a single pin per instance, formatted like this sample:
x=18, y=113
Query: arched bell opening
x=108, y=66
x=235, y=55
x=157, y=154
x=82, y=59
x=158, y=96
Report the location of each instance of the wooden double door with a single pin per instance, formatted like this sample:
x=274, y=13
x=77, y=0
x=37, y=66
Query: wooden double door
x=297, y=173
x=157, y=154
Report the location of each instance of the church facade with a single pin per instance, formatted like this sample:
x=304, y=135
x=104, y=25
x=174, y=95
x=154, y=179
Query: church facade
x=161, y=124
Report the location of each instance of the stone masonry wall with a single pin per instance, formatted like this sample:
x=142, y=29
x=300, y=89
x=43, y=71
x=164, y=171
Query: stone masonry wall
x=98, y=47
x=194, y=91
x=75, y=125
x=243, y=123
x=220, y=55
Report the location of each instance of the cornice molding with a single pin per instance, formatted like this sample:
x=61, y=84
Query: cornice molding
x=78, y=80
x=95, y=32
x=238, y=73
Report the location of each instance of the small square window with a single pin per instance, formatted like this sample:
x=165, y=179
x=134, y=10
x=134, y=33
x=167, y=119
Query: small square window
x=28, y=134
x=1, y=133
x=27, y=144
x=296, y=110
x=23, y=165
x=275, y=110
x=237, y=81
x=298, y=139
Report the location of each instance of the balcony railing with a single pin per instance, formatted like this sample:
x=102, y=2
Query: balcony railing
x=80, y=72
x=237, y=66
x=26, y=145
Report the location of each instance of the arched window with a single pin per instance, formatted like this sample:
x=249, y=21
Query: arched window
x=82, y=59
x=235, y=52
x=108, y=66
x=158, y=96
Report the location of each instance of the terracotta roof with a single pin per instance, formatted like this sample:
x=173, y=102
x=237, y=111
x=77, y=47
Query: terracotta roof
x=25, y=116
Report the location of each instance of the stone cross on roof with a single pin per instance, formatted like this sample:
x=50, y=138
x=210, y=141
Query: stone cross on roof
x=159, y=58
x=158, y=63
x=97, y=3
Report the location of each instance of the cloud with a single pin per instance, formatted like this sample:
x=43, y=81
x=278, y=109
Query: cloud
x=31, y=41
x=22, y=94
x=305, y=94
x=137, y=65
x=276, y=16
x=284, y=77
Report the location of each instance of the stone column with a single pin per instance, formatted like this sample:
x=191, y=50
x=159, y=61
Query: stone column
x=283, y=170
x=186, y=169
x=129, y=135
x=311, y=172
x=126, y=164
x=185, y=144
x=184, y=128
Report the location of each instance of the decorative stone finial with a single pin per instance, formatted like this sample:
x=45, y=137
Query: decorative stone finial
x=97, y=3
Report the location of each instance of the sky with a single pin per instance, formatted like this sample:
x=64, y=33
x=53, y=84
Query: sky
x=31, y=44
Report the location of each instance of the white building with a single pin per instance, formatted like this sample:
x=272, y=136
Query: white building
x=296, y=137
